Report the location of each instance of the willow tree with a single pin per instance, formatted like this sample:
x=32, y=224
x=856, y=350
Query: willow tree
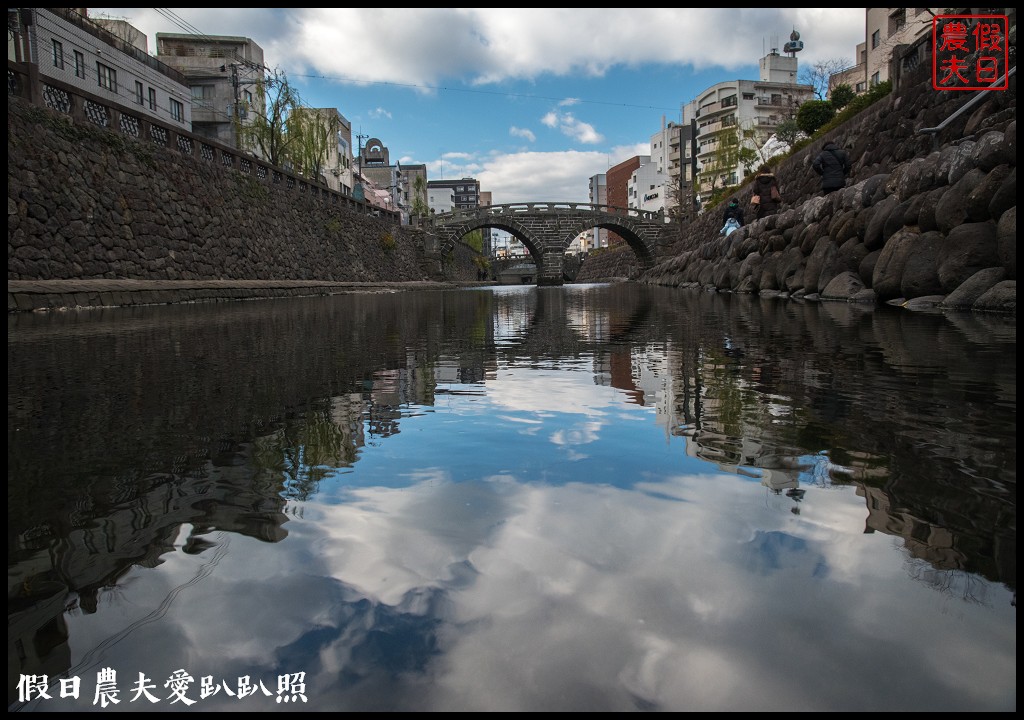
x=311, y=136
x=267, y=133
x=722, y=163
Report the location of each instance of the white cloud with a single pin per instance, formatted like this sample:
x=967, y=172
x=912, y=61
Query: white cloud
x=426, y=45
x=522, y=132
x=380, y=112
x=570, y=126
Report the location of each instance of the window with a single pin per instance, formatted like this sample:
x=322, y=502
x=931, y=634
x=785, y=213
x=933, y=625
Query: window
x=79, y=64
x=106, y=77
x=897, y=20
x=177, y=110
x=876, y=39
x=875, y=79
x=138, y=92
x=202, y=97
x=152, y=98
x=58, y=55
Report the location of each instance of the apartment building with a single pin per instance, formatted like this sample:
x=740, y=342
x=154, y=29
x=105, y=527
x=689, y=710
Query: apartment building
x=465, y=191
x=887, y=31
x=224, y=74
x=647, y=187
x=107, y=59
x=734, y=114
x=888, y=28
x=440, y=199
x=617, y=182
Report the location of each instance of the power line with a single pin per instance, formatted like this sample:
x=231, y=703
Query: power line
x=193, y=30
x=420, y=86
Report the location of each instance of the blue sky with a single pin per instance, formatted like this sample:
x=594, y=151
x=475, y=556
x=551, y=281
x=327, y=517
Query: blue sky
x=530, y=102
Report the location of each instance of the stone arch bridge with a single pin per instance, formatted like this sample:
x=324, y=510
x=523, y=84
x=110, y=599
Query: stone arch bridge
x=547, y=229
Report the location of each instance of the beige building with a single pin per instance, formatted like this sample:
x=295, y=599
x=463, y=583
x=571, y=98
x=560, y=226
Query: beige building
x=222, y=73
x=888, y=28
x=336, y=168
x=885, y=31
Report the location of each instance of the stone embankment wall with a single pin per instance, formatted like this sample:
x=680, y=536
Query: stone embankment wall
x=914, y=226
x=88, y=203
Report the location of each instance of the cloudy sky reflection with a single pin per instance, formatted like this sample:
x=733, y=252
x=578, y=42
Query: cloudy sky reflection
x=558, y=583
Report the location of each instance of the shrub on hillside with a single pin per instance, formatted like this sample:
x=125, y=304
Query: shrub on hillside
x=860, y=102
x=841, y=96
x=813, y=114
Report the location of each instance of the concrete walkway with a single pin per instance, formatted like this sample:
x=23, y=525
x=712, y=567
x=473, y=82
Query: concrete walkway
x=28, y=295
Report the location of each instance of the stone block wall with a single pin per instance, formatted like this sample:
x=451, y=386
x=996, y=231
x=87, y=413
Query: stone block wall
x=88, y=203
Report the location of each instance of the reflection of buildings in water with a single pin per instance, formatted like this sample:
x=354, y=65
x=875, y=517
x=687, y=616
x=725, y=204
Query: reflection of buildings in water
x=739, y=413
x=76, y=563
x=921, y=539
x=449, y=371
x=779, y=480
x=347, y=416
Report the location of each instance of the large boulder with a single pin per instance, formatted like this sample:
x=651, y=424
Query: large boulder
x=967, y=249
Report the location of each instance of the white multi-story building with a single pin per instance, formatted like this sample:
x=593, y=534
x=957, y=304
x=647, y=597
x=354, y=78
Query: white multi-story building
x=647, y=186
x=743, y=113
x=440, y=199
x=107, y=60
x=598, y=196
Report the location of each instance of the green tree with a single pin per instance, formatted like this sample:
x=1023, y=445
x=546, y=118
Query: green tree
x=475, y=239
x=419, y=205
x=716, y=171
x=813, y=114
x=311, y=135
x=841, y=96
x=273, y=103
x=788, y=131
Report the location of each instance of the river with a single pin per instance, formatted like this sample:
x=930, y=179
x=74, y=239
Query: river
x=591, y=497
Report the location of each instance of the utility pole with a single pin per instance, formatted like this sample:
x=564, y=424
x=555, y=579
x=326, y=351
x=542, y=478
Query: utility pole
x=358, y=191
x=360, y=137
x=236, y=117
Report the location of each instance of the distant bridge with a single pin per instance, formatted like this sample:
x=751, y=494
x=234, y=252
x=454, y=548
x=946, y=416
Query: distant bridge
x=547, y=229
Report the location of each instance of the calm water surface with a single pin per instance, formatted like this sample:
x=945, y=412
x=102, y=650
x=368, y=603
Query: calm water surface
x=580, y=498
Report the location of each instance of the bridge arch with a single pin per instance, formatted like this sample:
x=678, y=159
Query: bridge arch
x=547, y=230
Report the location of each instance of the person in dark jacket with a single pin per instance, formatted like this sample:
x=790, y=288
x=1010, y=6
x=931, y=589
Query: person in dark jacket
x=734, y=211
x=833, y=164
x=767, y=196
